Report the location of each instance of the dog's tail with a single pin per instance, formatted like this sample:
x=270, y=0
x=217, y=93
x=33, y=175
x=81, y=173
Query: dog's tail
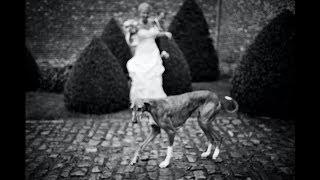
x=228, y=102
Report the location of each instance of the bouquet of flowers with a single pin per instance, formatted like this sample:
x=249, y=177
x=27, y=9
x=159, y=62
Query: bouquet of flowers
x=131, y=26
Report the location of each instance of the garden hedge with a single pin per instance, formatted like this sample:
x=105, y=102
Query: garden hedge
x=114, y=38
x=263, y=82
x=32, y=72
x=97, y=83
x=53, y=78
x=177, y=76
x=190, y=31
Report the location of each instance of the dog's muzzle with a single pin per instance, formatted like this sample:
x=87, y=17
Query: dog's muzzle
x=135, y=117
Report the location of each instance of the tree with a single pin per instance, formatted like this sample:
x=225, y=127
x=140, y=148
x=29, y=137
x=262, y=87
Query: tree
x=176, y=77
x=96, y=84
x=264, y=79
x=190, y=31
x=114, y=38
x=32, y=72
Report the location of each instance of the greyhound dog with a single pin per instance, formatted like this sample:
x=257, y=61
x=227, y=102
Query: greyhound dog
x=172, y=112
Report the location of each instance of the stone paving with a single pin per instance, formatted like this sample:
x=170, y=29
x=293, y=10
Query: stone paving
x=102, y=149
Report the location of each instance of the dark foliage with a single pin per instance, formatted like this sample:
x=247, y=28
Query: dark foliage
x=265, y=77
x=114, y=38
x=32, y=72
x=54, y=77
x=190, y=31
x=176, y=77
x=96, y=84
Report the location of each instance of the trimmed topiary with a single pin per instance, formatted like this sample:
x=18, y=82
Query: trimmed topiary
x=264, y=79
x=190, y=31
x=32, y=72
x=53, y=77
x=176, y=77
x=96, y=84
x=114, y=38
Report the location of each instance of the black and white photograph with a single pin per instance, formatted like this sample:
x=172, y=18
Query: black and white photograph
x=159, y=89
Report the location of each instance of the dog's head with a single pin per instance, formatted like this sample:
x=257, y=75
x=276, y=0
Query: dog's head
x=138, y=107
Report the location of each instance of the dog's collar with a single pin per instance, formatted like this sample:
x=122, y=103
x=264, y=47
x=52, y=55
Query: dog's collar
x=150, y=120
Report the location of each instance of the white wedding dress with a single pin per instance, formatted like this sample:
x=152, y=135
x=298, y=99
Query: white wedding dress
x=145, y=67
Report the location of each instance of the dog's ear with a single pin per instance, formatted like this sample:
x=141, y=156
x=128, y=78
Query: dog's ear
x=147, y=106
x=133, y=105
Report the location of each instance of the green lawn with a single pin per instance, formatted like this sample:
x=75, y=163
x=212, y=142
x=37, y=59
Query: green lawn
x=50, y=106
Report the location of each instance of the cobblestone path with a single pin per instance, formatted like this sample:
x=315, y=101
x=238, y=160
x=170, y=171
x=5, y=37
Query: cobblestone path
x=102, y=149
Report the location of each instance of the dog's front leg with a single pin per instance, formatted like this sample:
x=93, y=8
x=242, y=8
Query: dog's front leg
x=154, y=132
x=207, y=153
x=166, y=162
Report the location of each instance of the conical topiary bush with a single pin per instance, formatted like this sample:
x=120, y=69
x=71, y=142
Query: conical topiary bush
x=114, y=38
x=264, y=78
x=96, y=84
x=190, y=31
x=32, y=72
x=176, y=77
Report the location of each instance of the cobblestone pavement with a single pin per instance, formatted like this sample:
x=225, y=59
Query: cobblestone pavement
x=102, y=149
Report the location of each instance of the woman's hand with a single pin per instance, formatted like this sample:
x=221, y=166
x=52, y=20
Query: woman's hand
x=164, y=54
x=168, y=34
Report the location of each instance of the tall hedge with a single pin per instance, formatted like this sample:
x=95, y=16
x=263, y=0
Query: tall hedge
x=114, y=38
x=96, y=84
x=177, y=76
x=190, y=31
x=53, y=78
x=32, y=72
x=265, y=76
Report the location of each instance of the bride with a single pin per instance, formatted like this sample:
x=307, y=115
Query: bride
x=145, y=67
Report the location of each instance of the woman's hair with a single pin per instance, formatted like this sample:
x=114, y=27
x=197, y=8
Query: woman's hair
x=144, y=6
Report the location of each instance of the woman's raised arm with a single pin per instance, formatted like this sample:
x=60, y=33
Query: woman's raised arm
x=168, y=34
x=130, y=28
x=128, y=38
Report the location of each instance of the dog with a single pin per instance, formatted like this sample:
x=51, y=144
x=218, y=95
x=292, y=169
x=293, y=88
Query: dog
x=171, y=112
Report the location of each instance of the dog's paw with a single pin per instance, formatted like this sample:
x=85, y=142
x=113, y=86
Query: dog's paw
x=164, y=164
x=132, y=163
x=205, y=154
x=134, y=160
x=216, y=153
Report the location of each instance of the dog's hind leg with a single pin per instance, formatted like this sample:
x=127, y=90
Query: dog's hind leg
x=210, y=111
x=209, y=131
x=155, y=130
x=204, y=121
x=216, y=137
x=204, y=125
x=207, y=153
